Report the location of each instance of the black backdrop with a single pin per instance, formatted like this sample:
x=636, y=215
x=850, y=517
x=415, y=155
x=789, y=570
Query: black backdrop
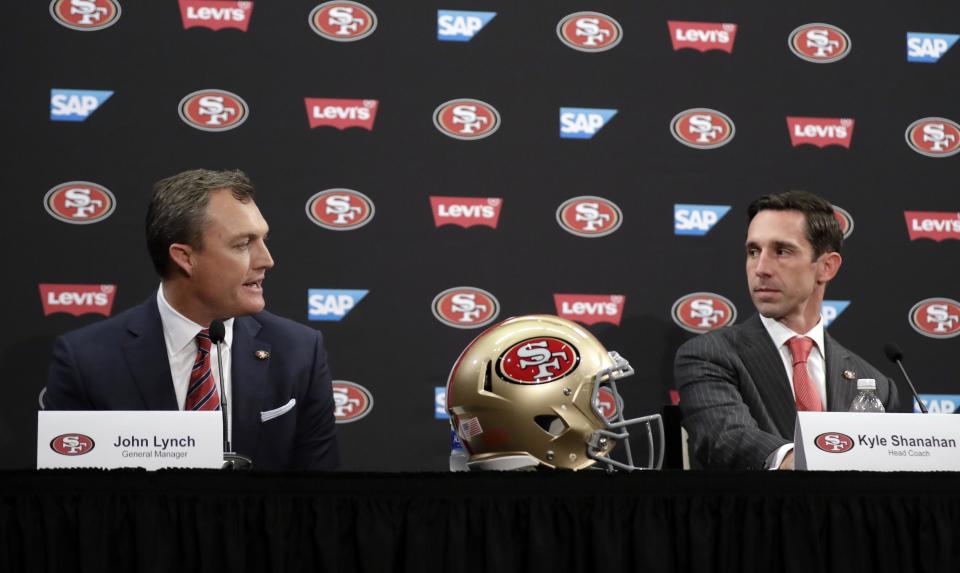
x=391, y=343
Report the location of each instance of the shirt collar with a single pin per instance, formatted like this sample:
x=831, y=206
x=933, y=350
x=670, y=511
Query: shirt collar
x=780, y=334
x=179, y=331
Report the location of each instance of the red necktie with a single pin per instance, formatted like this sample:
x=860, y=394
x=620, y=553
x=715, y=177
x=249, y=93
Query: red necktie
x=808, y=399
x=202, y=393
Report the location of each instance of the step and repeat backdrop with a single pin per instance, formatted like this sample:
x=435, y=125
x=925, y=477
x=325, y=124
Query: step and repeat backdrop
x=430, y=168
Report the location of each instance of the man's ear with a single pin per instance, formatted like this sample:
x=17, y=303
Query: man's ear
x=182, y=256
x=828, y=267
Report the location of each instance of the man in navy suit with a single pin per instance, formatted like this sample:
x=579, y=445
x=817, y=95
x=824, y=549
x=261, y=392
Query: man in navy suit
x=206, y=238
x=741, y=387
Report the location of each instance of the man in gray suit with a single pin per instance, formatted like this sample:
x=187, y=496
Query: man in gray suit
x=741, y=387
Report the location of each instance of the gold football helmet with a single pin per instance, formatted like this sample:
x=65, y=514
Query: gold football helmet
x=541, y=390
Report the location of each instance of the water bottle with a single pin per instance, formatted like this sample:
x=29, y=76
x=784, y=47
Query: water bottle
x=866, y=399
x=458, y=456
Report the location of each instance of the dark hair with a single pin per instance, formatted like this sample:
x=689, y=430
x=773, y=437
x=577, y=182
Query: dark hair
x=178, y=208
x=823, y=229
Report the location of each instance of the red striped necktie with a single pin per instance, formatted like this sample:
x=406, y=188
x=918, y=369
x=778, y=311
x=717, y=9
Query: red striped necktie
x=202, y=392
x=808, y=399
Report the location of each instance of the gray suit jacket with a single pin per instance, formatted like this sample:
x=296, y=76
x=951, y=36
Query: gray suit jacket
x=736, y=399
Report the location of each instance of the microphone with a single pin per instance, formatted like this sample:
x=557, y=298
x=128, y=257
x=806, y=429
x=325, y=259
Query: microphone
x=231, y=460
x=894, y=354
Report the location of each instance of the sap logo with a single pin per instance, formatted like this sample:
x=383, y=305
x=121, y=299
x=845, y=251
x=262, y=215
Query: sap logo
x=77, y=299
x=697, y=219
x=75, y=105
x=928, y=48
x=583, y=122
x=831, y=309
x=460, y=25
x=332, y=304
x=938, y=403
x=440, y=403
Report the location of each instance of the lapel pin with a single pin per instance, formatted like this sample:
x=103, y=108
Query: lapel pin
x=849, y=374
x=263, y=355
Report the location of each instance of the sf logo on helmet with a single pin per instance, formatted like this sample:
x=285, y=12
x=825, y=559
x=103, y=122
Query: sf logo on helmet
x=536, y=354
x=538, y=360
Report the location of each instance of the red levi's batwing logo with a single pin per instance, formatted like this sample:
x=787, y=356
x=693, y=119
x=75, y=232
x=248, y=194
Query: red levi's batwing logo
x=215, y=14
x=934, y=225
x=341, y=113
x=820, y=131
x=466, y=211
x=702, y=36
x=77, y=299
x=590, y=308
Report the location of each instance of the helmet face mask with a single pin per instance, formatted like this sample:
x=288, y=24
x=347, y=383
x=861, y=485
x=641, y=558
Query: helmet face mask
x=541, y=391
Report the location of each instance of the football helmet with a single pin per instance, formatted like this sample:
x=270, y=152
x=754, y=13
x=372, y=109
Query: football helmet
x=540, y=390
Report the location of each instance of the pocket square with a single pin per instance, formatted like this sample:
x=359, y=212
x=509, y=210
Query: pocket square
x=277, y=412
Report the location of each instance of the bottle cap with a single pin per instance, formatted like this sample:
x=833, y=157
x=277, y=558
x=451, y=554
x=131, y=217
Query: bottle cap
x=866, y=384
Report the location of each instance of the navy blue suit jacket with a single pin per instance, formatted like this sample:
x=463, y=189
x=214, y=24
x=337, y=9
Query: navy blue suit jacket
x=121, y=364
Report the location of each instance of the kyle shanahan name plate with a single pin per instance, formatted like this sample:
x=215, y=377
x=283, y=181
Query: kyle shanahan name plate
x=151, y=440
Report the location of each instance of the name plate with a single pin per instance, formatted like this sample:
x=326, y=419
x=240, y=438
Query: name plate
x=876, y=442
x=151, y=440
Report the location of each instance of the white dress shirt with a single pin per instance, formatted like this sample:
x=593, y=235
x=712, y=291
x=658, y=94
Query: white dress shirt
x=180, y=333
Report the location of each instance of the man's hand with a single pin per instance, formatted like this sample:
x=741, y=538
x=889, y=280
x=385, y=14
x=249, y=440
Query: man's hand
x=787, y=463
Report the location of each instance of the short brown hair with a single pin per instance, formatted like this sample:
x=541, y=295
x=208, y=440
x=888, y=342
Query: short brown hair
x=178, y=208
x=823, y=229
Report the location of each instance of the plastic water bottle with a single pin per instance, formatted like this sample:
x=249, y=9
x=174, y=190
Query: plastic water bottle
x=458, y=456
x=866, y=399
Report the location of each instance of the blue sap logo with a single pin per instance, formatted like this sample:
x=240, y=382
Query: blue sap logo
x=831, y=309
x=939, y=403
x=75, y=105
x=440, y=403
x=697, y=219
x=583, y=122
x=459, y=25
x=332, y=304
x=928, y=47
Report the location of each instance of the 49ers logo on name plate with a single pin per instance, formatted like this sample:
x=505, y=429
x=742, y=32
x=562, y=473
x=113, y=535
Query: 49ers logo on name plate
x=703, y=311
x=702, y=128
x=351, y=401
x=465, y=307
x=589, y=31
x=85, y=15
x=834, y=442
x=819, y=43
x=79, y=202
x=538, y=360
x=934, y=137
x=72, y=444
x=340, y=209
x=213, y=110
x=589, y=216
x=343, y=21
x=845, y=219
x=936, y=317
x=466, y=119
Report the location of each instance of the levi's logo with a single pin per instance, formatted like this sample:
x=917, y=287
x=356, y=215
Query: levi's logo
x=820, y=131
x=466, y=211
x=341, y=113
x=934, y=225
x=215, y=14
x=77, y=299
x=702, y=36
x=590, y=308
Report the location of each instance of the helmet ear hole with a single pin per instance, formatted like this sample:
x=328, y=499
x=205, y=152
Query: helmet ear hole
x=488, y=378
x=551, y=424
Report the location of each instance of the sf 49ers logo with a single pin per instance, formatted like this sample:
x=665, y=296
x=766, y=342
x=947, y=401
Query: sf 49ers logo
x=79, y=202
x=819, y=43
x=340, y=209
x=934, y=137
x=351, y=401
x=85, y=15
x=589, y=216
x=936, y=317
x=538, y=360
x=465, y=307
x=466, y=119
x=703, y=311
x=589, y=31
x=834, y=442
x=845, y=219
x=343, y=21
x=213, y=110
x=607, y=404
x=72, y=444
x=702, y=128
